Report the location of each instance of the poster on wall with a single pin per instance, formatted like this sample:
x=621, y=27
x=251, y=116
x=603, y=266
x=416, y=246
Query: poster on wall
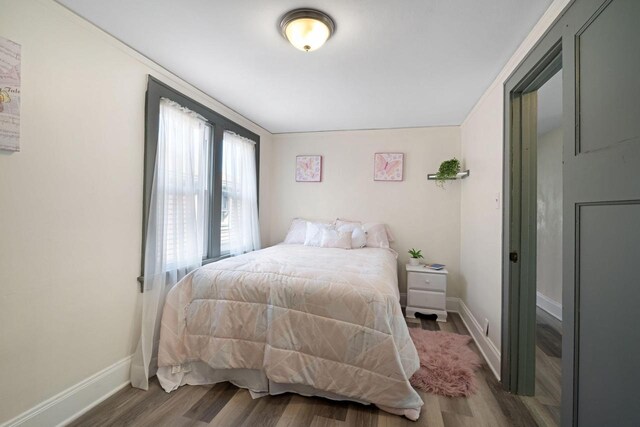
x=308, y=168
x=9, y=95
x=388, y=166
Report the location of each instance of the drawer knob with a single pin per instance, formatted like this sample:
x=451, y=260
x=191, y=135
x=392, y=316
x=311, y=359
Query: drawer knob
x=427, y=281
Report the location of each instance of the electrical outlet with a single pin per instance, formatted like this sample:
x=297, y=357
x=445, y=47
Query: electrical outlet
x=486, y=327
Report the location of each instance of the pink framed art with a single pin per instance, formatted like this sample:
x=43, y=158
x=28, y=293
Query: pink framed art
x=308, y=168
x=388, y=166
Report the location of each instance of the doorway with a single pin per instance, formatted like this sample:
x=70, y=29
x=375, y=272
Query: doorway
x=527, y=212
x=548, y=334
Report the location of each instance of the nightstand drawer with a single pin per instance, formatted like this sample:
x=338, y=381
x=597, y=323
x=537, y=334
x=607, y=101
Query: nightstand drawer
x=427, y=299
x=427, y=282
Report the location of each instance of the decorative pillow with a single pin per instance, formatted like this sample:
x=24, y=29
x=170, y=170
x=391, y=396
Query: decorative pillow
x=335, y=239
x=358, y=238
x=354, y=224
x=345, y=224
x=377, y=236
x=358, y=235
x=313, y=236
x=297, y=232
x=390, y=236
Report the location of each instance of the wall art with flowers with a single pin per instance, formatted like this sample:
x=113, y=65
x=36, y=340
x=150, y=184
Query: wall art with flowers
x=308, y=168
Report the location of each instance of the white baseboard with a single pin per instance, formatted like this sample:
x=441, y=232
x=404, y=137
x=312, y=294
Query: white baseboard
x=549, y=305
x=487, y=348
x=68, y=405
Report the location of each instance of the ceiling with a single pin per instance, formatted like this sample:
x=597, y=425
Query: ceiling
x=423, y=64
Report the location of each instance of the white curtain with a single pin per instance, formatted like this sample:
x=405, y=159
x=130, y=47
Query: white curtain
x=175, y=230
x=241, y=193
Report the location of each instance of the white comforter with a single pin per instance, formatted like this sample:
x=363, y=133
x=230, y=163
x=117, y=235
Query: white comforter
x=326, y=318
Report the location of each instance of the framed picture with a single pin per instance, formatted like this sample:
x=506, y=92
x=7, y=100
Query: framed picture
x=388, y=166
x=308, y=168
x=9, y=95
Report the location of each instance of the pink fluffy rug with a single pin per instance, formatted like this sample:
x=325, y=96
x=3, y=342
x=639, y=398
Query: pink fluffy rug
x=447, y=364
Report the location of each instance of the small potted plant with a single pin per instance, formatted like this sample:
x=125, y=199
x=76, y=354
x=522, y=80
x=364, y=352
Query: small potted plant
x=416, y=254
x=448, y=170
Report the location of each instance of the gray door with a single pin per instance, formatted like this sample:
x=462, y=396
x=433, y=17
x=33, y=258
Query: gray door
x=601, y=60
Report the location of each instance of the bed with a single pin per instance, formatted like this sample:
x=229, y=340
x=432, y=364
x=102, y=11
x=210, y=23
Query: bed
x=293, y=318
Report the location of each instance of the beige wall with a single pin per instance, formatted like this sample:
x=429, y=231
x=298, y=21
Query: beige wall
x=420, y=214
x=549, y=236
x=71, y=201
x=481, y=214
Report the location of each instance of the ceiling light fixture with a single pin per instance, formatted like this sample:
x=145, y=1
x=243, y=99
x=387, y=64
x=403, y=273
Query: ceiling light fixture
x=307, y=29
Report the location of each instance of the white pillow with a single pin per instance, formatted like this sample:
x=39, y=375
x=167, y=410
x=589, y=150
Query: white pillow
x=297, y=232
x=354, y=224
x=358, y=235
x=335, y=239
x=313, y=235
x=345, y=224
x=358, y=238
x=377, y=236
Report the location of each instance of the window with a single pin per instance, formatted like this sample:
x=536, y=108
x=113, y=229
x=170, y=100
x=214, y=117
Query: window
x=213, y=199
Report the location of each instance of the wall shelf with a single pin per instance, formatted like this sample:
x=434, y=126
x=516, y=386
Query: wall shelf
x=460, y=175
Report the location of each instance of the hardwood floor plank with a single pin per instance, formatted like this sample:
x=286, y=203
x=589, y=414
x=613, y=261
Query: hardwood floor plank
x=548, y=340
x=459, y=324
x=455, y=405
x=362, y=415
x=333, y=409
x=542, y=414
x=456, y=420
x=431, y=413
x=319, y=421
x=127, y=407
x=291, y=411
x=386, y=419
x=236, y=410
x=512, y=406
x=306, y=412
x=212, y=402
x=166, y=414
x=178, y=422
x=483, y=404
x=268, y=411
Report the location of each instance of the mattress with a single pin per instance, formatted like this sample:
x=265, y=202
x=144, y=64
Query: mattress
x=323, y=320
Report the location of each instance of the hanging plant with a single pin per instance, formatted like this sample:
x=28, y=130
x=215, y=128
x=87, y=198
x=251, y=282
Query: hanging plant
x=448, y=170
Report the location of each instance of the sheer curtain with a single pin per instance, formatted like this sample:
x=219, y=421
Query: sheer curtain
x=240, y=186
x=175, y=230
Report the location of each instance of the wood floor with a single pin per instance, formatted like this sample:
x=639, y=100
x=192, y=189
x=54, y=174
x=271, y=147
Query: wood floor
x=227, y=406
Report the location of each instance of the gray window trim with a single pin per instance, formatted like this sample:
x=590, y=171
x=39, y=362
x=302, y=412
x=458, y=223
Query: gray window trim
x=156, y=90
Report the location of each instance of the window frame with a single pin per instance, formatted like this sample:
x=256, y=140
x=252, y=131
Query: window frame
x=156, y=90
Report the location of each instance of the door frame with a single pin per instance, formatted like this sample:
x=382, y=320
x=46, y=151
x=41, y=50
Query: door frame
x=520, y=220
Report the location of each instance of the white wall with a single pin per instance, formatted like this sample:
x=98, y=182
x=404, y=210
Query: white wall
x=549, y=218
x=420, y=214
x=71, y=203
x=481, y=215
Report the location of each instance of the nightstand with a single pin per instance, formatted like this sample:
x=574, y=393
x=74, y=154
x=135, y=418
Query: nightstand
x=426, y=291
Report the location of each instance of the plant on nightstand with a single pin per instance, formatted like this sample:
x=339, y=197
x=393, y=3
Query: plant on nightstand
x=416, y=254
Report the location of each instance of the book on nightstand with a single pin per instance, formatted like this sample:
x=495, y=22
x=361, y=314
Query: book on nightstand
x=435, y=266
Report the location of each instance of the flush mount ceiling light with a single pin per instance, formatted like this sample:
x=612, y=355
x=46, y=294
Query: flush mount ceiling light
x=307, y=29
